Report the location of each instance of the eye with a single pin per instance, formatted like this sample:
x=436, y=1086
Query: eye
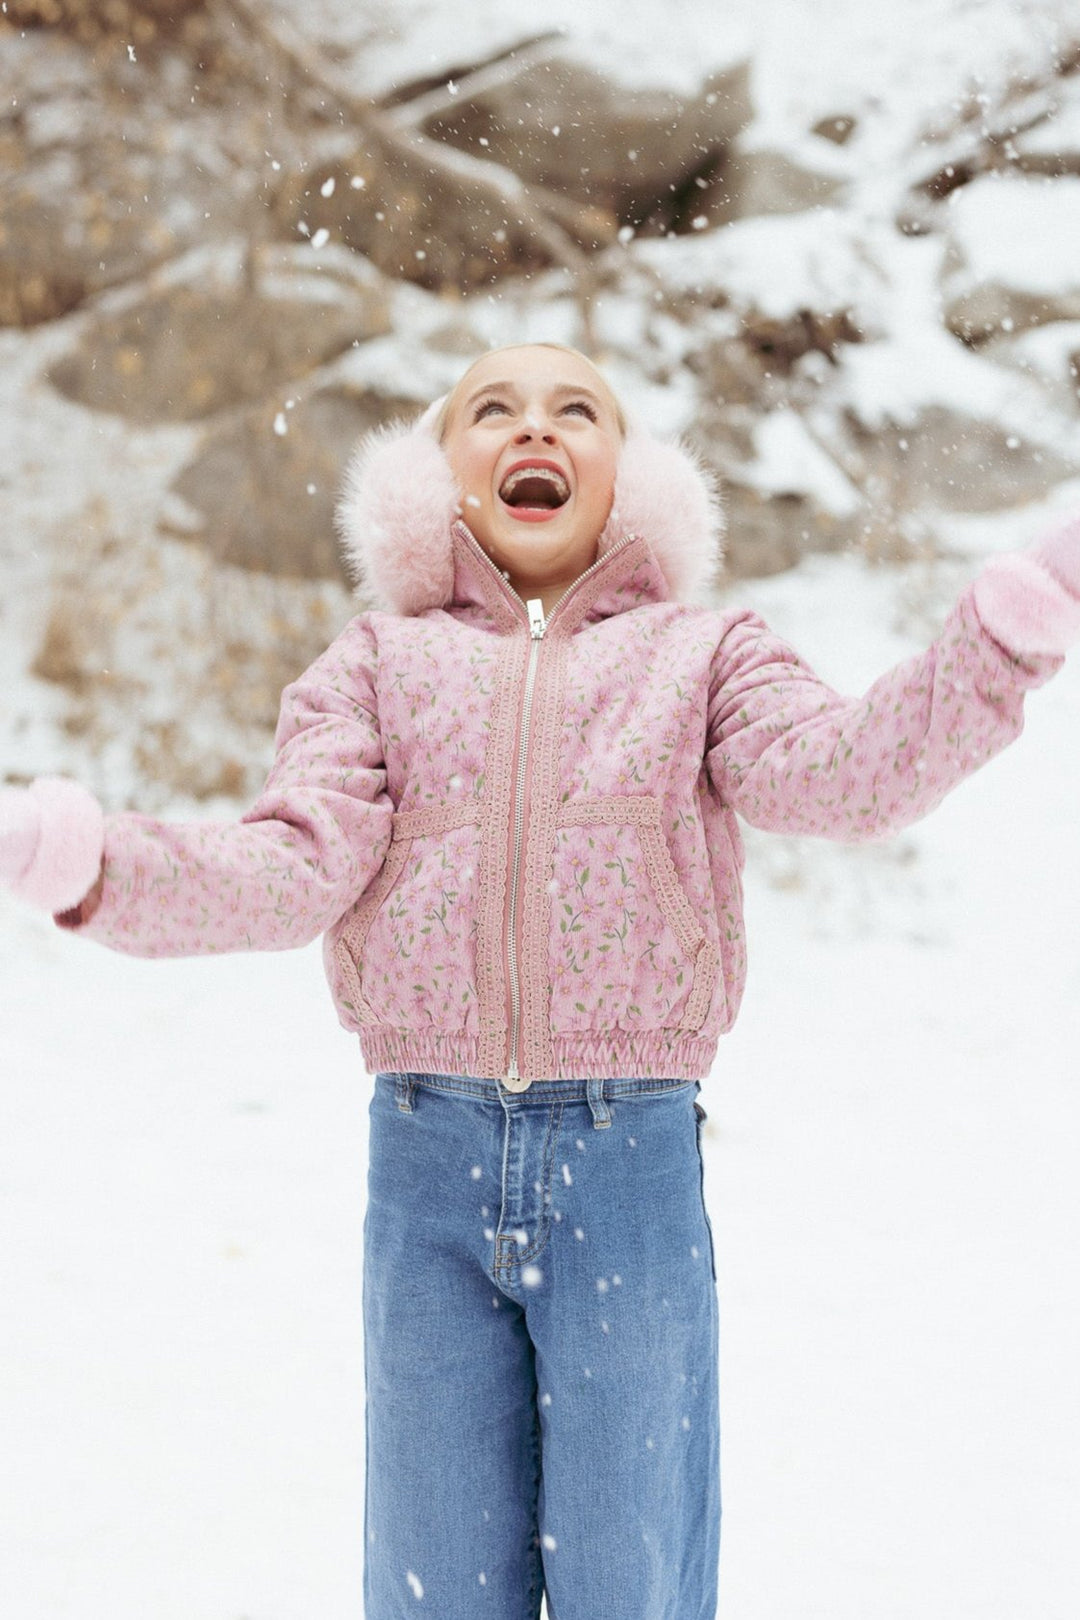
x=580, y=407
x=488, y=407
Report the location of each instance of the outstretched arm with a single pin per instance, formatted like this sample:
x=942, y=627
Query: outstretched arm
x=791, y=755
x=279, y=877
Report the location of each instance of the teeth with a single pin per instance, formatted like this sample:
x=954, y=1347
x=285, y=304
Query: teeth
x=555, y=479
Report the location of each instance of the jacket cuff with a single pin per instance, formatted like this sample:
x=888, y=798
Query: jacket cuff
x=71, y=840
x=1027, y=608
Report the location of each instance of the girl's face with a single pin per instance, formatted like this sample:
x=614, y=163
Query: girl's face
x=533, y=441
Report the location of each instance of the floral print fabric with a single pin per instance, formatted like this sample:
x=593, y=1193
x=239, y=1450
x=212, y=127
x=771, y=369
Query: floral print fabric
x=402, y=810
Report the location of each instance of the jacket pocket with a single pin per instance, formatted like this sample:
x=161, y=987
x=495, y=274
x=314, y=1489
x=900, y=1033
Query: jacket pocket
x=626, y=948
x=407, y=957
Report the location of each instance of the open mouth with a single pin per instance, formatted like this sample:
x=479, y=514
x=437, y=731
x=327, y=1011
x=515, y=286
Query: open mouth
x=534, y=489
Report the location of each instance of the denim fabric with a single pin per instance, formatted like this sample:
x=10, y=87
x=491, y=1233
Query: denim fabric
x=541, y=1352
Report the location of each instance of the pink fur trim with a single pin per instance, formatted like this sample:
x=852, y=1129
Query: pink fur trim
x=1025, y=607
x=394, y=518
x=400, y=500
x=71, y=840
x=664, y=493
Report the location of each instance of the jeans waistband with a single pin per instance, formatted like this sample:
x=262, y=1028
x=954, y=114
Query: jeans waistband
x=541, y=1093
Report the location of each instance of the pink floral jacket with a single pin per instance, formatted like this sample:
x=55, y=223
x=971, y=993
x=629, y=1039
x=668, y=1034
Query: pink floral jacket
x=520, y=838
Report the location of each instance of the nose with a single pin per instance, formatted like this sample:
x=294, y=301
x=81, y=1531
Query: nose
x=534, y=427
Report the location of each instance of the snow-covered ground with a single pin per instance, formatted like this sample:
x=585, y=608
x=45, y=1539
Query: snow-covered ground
x=894, y=1125
x=893, y=1181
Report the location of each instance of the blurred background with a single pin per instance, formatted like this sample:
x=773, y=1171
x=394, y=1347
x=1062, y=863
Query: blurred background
x=835, y=245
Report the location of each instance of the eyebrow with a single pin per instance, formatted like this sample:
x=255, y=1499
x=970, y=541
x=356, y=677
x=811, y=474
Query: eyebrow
x=580, y=391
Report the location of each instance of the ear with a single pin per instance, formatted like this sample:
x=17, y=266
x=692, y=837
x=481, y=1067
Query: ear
x=394, y=516
x=664, y=492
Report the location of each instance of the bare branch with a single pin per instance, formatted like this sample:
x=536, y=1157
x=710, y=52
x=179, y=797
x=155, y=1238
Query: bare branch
x=541, y=210
x=537, y=210
x=493, y=177
x=288, y=43
x=493, y=75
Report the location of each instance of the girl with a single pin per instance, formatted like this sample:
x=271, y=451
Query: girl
x=508, y=798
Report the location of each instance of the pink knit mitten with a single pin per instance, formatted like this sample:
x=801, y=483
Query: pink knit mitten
x=1030, y=600
x=52, y=836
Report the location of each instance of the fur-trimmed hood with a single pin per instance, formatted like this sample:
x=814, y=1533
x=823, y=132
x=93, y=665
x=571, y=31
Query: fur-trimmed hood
x=400, y=501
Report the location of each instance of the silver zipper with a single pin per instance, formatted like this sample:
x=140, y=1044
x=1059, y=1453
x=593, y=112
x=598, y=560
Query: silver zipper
x=570, y=589
x=534, y=608
x=537, y=626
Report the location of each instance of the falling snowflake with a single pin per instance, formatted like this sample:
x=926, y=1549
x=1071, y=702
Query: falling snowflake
x=415, y=1584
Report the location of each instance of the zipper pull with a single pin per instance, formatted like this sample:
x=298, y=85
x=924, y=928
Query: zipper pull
x=514, y=1081
x=537, y=625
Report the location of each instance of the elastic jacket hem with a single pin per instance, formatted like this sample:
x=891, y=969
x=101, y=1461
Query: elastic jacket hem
x=588, y=1057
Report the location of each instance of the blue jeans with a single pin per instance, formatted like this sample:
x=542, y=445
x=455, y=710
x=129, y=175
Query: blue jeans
x=541, y=1352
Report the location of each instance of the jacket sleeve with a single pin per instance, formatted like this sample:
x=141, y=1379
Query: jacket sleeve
x=791, y=755
x=298, y=859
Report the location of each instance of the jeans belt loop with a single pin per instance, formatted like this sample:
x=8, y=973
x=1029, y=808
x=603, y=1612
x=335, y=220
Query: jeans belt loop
x=404, y=1086
x=594, y=1095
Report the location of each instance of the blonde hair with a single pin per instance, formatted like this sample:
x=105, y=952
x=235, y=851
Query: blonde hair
x=442, y=419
